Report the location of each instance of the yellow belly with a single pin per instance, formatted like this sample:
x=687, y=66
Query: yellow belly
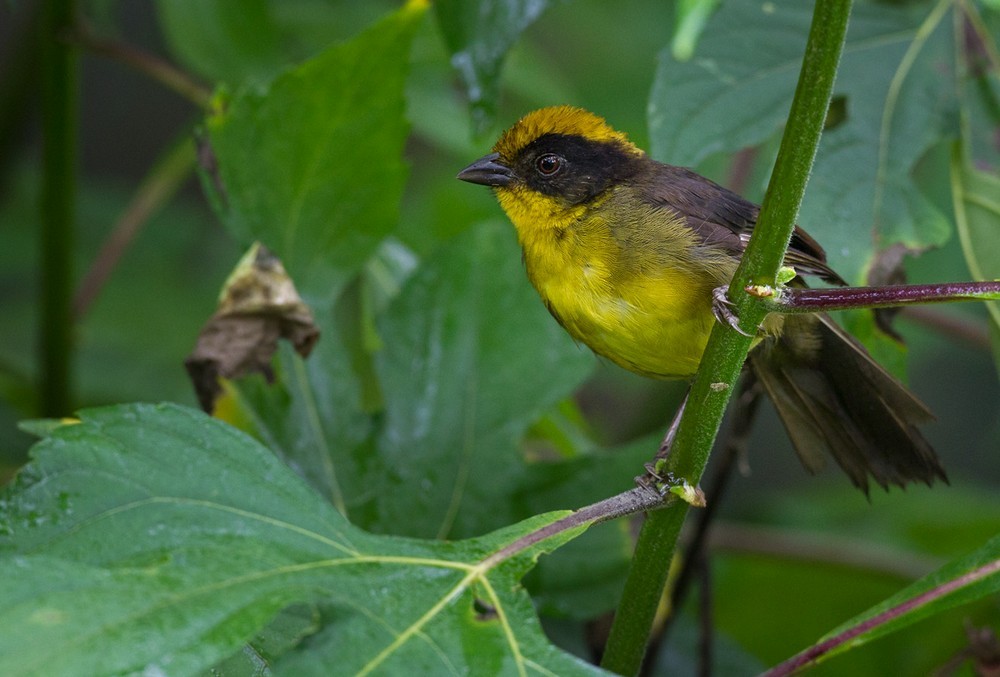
x=657, y=327
x=654, y=322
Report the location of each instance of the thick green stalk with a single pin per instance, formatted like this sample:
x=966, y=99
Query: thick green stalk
x=59, y=103
x=726, y=350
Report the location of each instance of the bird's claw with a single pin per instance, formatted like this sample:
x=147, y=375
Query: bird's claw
x=722, y=308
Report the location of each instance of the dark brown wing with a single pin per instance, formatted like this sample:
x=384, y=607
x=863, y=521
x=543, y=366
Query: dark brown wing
x=724, y=219
x=806, y=256
x=833, y=397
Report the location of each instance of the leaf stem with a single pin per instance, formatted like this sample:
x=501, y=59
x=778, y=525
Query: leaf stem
x=794, y=300
x=58, y=196
x=817, y=651
x=726, y=351
x=639, y=499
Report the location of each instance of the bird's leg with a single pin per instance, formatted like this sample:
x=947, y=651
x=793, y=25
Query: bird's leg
x=662, y=480
x=668, y=439
x=653, y=474
x=722, y=308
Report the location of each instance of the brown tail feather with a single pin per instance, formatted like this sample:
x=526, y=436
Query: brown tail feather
x=833, y=398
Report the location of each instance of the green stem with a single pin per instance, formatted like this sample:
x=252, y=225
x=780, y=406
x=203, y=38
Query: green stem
x=59, y=132
x=726, y=350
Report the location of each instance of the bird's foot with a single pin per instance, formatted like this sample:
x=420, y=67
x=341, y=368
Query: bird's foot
x=722, y=308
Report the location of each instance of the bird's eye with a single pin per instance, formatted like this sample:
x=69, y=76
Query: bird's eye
x=548, y=164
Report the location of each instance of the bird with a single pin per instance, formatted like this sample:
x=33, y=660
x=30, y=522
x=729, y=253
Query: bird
x=627, y=253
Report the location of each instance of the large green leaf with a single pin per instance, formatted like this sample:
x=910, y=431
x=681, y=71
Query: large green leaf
x=311, y=165
x=976, y=576
x=471, y=360
x=799, y=562
x=153, y=538
x=897, y=84
x=478, y=34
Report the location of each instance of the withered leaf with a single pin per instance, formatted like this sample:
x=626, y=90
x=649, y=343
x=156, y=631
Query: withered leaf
x=258, y=305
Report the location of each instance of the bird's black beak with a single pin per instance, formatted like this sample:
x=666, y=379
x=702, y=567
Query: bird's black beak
x=487, y=171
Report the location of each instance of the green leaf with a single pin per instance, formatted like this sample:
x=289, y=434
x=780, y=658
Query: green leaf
x=153, y=538
x=311, y=415
x=479, y=34
x=286, y=631
x=311, y=163
x=829, y=554
x=253, y=40
x=976, y=197
x=976, y=576
x=897, y=80
x=471, y=361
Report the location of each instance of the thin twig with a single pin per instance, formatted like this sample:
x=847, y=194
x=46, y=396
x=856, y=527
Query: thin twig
x=164, y=181
x=785, y=543
x=157, y=68
x=639, y=499
x=972, y=332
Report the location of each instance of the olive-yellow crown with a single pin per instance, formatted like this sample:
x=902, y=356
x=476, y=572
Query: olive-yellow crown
x=566, y=120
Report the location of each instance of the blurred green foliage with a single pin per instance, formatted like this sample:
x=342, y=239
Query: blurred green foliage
x=441, y=400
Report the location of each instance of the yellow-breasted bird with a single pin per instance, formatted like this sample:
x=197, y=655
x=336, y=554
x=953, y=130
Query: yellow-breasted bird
x=626, y=251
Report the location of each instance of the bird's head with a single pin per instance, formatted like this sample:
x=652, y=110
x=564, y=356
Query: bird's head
x=552, y=162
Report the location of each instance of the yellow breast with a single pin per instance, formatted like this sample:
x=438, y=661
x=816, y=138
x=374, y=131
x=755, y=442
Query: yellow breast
x=649, y=313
